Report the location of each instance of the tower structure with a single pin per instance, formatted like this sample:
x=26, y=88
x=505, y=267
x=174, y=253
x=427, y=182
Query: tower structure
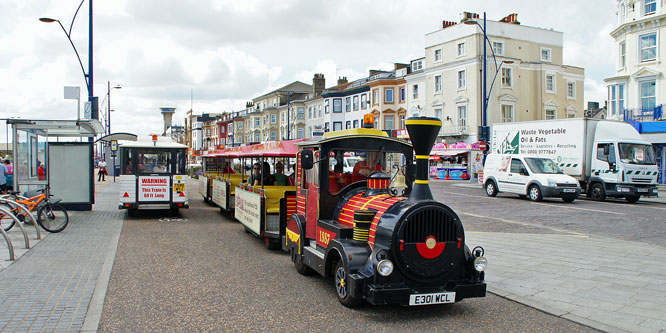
x=167, y=114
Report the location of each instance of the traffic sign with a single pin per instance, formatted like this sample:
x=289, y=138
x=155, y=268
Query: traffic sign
x=114, y=145
x=482, y=146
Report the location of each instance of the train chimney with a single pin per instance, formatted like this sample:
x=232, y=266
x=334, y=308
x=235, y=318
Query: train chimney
x=423, y=133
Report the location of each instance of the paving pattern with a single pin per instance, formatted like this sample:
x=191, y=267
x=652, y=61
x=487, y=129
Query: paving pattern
x=50, y=287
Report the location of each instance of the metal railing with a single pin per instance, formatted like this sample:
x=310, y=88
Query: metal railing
x=644, y=115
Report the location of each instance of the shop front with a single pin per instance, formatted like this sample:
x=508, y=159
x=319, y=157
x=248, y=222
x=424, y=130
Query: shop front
x=456, y=161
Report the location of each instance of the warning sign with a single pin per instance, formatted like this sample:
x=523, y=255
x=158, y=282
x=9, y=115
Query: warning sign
x=154, y=188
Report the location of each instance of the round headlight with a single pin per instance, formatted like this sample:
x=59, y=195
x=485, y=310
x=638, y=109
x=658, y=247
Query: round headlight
x=385, y=267
x=480, y=264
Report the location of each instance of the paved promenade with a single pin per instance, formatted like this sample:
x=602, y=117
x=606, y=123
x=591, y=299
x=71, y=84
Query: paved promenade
x=51, y=286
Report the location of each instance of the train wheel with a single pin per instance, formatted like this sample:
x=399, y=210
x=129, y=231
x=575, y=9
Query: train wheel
x=301, y=268
x=272, y=243
x=342, y=287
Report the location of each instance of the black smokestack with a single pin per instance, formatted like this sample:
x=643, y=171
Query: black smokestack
x=423, y=133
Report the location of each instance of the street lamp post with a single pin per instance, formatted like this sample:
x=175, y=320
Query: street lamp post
x=108, y=106
x=89, y=76
x=486, y=91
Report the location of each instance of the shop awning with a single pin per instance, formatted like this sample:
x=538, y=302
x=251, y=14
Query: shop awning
x=449, y=152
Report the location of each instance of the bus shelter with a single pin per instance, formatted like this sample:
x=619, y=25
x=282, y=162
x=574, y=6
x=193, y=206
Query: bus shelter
x=56, y=153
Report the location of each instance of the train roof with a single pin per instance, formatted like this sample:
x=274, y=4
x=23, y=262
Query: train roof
x=162, y=142
x=350, y=134
x=285, y=148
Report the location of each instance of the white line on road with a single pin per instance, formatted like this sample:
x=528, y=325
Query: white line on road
x=566, y=206
x=521, y=223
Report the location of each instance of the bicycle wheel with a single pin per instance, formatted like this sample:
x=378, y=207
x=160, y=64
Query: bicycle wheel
x=6, y=221
x=52, y=217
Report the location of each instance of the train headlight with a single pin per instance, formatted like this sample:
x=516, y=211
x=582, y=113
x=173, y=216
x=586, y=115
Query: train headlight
x=480, y=264
x=385, y=267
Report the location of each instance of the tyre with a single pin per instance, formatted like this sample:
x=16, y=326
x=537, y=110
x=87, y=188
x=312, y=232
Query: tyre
x=272, y=243
x=597, y=192
x=301, y=267
x=132, y=212
x=173, y=211
x=342, y=287
x=53, y=217
x=491, y=188
x=569, y=199
x=534, y=193
x=6, y=220
x=632, y=198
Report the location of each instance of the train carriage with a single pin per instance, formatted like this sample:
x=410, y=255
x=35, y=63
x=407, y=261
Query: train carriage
x=264, y=209
x=378, y=246
x=221, y=173
x=153, y=175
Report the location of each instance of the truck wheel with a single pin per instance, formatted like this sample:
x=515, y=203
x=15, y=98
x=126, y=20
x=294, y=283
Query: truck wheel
x=491, y=188
x=342, y=287
x=597, y=192
x=534, y=193
x=569, y=199
x=632, y=198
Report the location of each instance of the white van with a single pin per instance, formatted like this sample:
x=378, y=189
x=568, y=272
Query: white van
x=534, y=177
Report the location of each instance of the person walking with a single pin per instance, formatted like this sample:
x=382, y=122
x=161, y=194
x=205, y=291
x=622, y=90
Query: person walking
x=102, y=170
x=3, y=179
x=10, y=175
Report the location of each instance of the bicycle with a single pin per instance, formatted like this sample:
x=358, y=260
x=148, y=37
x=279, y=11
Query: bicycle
x=51, y=216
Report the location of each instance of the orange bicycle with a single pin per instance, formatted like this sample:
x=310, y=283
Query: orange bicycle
x=51, y=216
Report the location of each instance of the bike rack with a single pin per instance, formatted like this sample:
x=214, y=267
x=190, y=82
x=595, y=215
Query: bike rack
x=25, y=209
x=18, y=222
x=9, y=244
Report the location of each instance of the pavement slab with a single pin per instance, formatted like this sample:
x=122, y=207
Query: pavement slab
x=608, y=295
x=53, y=283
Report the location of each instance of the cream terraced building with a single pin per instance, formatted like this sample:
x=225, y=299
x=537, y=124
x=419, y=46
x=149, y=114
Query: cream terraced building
x=638, y=80
x=534, y=86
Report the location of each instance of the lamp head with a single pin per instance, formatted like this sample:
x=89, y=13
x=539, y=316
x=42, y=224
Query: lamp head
x=508, y=61
x=117, y=87
x=470, y=22
x=47, y=20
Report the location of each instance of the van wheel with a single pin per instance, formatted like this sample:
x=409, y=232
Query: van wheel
x=342, y=287
x=632, y=198
x=597, y=192
x=534, y=192
x=568, y=199
x=491, y=188
x=301, y=267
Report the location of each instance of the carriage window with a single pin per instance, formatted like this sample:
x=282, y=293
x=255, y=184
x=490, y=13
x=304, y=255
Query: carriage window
x=181, y=162
x=347, y=166
x=157, y=162
x=126, y=160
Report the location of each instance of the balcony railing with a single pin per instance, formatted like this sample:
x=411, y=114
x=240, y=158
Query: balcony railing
x=454, y=130
x=642, y=115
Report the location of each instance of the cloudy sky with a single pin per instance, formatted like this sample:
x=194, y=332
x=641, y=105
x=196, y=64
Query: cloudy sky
x=218, y=54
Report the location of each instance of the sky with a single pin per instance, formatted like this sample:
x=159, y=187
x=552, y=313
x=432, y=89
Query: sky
x=215, y=55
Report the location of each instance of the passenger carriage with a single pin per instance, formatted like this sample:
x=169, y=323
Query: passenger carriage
x=264, y=209
x=153, y=175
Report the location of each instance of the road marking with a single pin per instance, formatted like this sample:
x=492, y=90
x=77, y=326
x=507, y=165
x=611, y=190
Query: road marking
x=547, y=204
x=525, y=234
x=521, y=223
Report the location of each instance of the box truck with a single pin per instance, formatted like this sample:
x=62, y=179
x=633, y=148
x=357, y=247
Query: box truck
x=609, y=158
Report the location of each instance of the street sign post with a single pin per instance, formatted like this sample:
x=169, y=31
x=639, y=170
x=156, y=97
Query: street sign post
x=114, y=149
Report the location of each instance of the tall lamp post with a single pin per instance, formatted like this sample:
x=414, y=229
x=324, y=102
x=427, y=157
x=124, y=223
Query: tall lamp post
x=89, y=76
x=486, y=92
x=108, y=105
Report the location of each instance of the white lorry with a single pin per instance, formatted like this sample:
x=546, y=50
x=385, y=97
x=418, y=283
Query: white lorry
x=609, y=158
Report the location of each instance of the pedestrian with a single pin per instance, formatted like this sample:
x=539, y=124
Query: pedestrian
x=102, y=170
x=40, y=171
x=10, y=175
x=3, y=179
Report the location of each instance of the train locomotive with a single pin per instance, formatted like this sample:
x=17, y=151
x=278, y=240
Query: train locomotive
x=379, y=247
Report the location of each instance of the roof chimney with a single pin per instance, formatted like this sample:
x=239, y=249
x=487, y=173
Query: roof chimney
x=511, y=18
x=446, y=24
x=466, y=16
x=318, y=84
x=342, y=80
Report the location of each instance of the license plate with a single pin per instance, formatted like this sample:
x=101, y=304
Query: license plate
x=436, y=298
x=641, y=190
x=569, y=190
x=179, y=187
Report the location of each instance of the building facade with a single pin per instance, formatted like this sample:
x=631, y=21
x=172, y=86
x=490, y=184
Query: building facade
x=526, y=78
x=637, y=88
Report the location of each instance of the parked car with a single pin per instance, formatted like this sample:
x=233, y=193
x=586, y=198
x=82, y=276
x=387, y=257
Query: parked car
x=534, y=177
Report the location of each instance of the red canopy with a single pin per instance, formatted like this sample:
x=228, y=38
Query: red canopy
x=270, y=149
